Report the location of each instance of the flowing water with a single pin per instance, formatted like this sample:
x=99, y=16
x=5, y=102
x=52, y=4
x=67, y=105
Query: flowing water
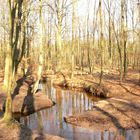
x=68, y=103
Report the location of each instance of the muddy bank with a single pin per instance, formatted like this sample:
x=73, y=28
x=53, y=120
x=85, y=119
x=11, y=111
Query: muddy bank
x=82, y=81
x=111, y=114
x=108, y=116
x=24, y=102
x=17, y=131
x=29, y=103
x=120, y=111
x=76, y=83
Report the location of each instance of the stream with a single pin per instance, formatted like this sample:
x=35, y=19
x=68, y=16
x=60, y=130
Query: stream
x=51, y=120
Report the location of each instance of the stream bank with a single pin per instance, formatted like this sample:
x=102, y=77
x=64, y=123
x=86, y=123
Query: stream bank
x=114, y=118
x=120, y=111
x=73, y=103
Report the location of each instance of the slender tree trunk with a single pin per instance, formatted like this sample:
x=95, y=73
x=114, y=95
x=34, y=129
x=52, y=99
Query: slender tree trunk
x=88, y=40
x=59, y=36
x=73, y=36
x=101, y=41
x=124, y=35
x=40, y=67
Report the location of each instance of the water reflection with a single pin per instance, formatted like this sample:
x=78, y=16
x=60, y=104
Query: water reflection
x=68, y=103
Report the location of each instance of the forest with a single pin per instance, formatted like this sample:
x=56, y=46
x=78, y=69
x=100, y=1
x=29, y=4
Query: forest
x=70, y=69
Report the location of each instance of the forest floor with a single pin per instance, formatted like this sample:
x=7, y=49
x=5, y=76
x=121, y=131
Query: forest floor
x=121, y=110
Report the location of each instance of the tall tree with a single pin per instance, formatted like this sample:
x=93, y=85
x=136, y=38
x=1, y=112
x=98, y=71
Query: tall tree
x=15, y=51
x=73, y=35
x=124, y=34
x=101, y=39
x=17, y=29
x=41, y=53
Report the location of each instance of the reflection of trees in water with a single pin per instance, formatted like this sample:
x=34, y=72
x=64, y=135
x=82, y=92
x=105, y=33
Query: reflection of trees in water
x=59, y=106
x=80, y=103
x=69, y=102
x=73, y=107
x=40, y=123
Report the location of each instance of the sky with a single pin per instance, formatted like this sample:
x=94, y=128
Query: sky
x=83, y=8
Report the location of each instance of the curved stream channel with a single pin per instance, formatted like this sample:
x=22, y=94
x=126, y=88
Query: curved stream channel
x=68, y=103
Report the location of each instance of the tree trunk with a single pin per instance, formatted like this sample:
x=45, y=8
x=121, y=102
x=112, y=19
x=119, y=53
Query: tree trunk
x=40, y=67
x=8, y=85
x=101, y=41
